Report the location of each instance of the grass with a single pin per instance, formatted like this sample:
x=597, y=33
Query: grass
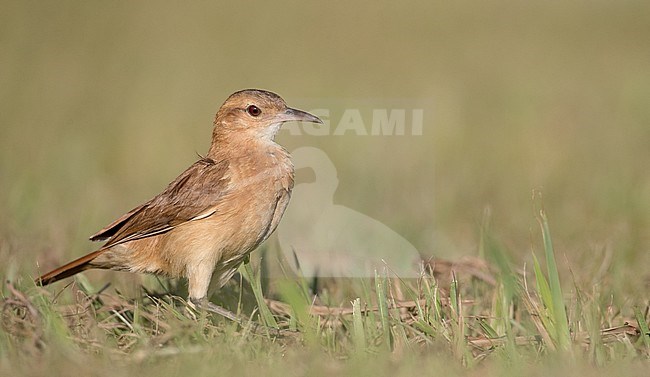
x=470, y=324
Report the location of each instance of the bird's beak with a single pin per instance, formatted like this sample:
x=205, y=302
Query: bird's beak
x=294, y=115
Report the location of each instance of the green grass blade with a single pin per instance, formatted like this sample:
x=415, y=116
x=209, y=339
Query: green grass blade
x=558, y=312
x=358, y=331
x=256, y=286
x=643, y=326
x=382, y=303
x=488, y=330
x=543, y=289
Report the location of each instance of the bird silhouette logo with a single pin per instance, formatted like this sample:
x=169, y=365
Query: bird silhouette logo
x=330, y=240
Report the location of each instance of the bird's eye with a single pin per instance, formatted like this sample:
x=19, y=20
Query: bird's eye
x=253, y=110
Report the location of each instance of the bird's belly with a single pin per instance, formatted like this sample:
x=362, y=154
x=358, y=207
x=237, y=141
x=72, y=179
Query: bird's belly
x=226, y=237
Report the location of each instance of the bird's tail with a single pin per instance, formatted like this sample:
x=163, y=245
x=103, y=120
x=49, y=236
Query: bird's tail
x=67, y=270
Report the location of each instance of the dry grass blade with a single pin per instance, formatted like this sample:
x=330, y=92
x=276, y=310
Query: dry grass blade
x=21, y=319
x=608, y=335
x=467, y=266
x=282, y=308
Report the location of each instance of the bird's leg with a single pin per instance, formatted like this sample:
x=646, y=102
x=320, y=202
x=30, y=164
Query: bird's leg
x=198, y=277
x=198, y=282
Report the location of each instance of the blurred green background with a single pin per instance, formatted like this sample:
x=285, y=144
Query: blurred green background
x=103, y=103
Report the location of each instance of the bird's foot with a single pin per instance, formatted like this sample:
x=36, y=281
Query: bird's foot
x=205, y=304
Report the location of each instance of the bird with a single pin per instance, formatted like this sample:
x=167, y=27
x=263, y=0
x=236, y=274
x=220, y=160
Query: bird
x=208, y=220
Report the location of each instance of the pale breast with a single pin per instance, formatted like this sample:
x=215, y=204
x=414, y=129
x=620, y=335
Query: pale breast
x=265, y=189
x=258, y=196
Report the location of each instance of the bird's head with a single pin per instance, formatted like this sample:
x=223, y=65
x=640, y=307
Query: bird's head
x=256, y=113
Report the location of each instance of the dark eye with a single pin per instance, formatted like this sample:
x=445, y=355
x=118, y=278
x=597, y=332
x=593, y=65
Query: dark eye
x=253, y=110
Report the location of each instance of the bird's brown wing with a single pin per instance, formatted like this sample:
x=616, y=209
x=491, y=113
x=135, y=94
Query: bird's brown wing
x=191, y=196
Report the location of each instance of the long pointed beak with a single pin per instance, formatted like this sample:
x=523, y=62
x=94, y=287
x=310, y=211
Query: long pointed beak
x=294, y=115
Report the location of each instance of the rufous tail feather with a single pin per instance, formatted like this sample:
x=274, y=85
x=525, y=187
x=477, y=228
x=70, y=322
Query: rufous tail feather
x=67, y=270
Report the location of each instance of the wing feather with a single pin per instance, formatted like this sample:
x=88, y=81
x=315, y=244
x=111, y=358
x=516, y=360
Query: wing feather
x=193, y=195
